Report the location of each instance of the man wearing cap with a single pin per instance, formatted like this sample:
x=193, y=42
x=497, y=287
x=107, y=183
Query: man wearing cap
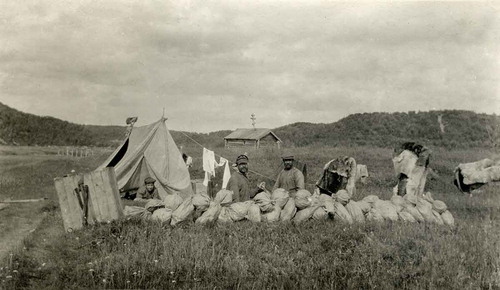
x=290, y=178
x=149, y=191
x=239, y=183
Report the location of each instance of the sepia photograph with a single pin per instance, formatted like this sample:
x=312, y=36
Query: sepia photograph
x=268, y=144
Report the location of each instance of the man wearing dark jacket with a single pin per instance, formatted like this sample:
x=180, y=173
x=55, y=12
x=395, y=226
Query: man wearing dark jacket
x=239, y=183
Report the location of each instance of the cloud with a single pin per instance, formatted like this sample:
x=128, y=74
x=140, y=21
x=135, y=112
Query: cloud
x=212, y=64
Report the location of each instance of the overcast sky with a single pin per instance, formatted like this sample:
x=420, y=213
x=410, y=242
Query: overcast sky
x=212, y=64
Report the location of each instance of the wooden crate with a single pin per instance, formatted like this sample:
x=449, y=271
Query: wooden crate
x=72, y=212
x=104, y=195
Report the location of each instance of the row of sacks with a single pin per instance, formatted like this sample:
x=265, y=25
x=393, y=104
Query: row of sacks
x=280, y=206
x=172, y=210
x=407, y=208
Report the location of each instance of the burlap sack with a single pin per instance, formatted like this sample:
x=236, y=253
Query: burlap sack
x=263, y=200
x=280, y=197
x=211, y=214
x=328, y=203
x=162, y=215
x=342, y=214
x=439, y=206
x=304, y=214
x=448, y=218
x=370, y=198
x=415, y=213
x=133, y=211
x=201, y=201
x=320, y=214
x=154, y=204
x=355, y=211
x=386, y=209
x=224, y=216
x=302, y=199
x=437, y=216
x=183, y=211
x=364, y=206
x=425, y=208
x=398, y=201
x=288, y=211
x=253, y=213
x=374, y=215
x=406, y=217
x=224, y=197
x=172, y=201
x=343, y=196
x=238, y=210
x=272, y=216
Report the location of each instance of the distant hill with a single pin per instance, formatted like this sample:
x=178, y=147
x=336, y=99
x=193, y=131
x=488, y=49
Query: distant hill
x=458, y=129
x=19, y=128
x=454, y=129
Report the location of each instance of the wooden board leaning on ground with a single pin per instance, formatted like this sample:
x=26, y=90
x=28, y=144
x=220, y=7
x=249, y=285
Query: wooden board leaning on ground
x=102, y=203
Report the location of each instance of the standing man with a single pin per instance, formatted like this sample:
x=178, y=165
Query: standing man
x=290, y=178
x=239, y=183
x=411, y=162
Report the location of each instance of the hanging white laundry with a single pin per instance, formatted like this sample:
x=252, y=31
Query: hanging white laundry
x=227, y=173
x=208, y=165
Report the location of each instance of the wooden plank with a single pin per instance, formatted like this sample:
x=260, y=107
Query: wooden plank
x=94, y=192
x=70, y=183
x=114, y=198
x=70, y=209
x=104, y=194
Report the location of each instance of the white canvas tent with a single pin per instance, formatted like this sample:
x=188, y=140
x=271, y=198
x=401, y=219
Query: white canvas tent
x=150, y=151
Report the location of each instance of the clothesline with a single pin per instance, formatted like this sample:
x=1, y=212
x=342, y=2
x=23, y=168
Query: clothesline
x=255, y=172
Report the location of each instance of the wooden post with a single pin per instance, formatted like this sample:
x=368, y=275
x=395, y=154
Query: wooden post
x=104, y=194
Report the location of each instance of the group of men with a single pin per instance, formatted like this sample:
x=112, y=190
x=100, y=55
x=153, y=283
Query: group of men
x=411, y=162
x=290, y=178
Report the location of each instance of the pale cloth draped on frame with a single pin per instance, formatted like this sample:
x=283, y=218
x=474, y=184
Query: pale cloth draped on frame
x=209, y=165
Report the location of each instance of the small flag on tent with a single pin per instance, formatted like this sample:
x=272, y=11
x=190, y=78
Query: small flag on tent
x=131, y=120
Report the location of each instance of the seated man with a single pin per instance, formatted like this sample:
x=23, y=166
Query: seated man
x=239, y=184
x=149, y=191
x=290, y=178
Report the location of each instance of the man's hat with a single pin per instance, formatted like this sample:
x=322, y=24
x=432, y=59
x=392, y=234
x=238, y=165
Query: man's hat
x=149, y=180
x=242, y=159
x=287, y=156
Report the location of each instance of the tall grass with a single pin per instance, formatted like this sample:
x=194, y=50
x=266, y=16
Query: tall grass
x=132, y=254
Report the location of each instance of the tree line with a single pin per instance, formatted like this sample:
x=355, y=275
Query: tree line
x=447, y=128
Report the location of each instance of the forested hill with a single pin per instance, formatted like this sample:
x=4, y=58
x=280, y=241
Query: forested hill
x=454, y=129
x=18, y=128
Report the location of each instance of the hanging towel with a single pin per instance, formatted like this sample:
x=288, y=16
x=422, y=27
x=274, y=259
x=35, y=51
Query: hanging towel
x=227, y=172
x=208, y=165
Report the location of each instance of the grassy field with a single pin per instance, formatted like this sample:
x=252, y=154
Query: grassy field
x=135, y=254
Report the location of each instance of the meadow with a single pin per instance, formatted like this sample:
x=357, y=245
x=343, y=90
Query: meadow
x=131, y=254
